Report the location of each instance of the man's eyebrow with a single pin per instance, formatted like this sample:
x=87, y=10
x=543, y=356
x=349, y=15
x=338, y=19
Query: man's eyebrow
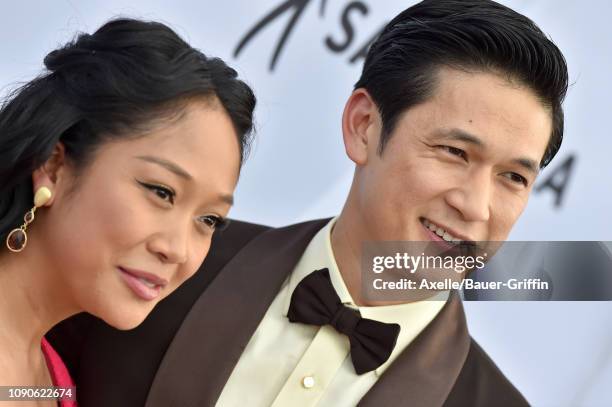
x=169, y=165
x=528, y=164
x=462, y=135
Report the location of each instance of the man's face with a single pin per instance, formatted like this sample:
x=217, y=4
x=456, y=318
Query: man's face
x=461, y=164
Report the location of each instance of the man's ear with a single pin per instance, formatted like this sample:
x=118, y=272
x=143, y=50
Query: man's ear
x=52, y=173
x=361, y=126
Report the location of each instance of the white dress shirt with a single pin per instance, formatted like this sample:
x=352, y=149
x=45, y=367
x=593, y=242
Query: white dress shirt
x=294, y=364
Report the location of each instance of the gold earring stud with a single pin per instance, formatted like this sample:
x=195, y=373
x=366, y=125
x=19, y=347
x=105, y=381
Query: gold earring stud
x=17, y=240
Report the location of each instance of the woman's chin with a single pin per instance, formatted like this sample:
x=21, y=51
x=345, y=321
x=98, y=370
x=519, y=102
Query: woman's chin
x=124, y=319
x=128, y=325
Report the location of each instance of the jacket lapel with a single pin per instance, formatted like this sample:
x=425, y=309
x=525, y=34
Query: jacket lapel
x=425, y=372
x=218, y=327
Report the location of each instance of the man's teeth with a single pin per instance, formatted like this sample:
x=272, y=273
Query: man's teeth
x=146, y=282
x=440, y=232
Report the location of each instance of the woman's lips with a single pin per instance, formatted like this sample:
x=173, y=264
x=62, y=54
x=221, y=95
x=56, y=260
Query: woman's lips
x=138, y=287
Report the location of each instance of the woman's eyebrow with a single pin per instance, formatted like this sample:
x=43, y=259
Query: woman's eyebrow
x=227, y=198
x=169, y=165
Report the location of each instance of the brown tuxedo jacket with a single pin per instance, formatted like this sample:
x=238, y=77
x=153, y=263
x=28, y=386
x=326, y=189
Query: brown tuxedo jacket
x=185, y=351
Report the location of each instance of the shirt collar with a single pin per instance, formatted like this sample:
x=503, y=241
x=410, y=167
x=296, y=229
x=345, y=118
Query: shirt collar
x=318, y=255
x=412, y=317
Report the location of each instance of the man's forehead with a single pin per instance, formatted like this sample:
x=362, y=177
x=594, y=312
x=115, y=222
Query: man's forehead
x=483, y=106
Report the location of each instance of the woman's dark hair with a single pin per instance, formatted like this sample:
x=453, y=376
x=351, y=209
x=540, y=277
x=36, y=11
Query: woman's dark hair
x=401, y=66
x=113, y=83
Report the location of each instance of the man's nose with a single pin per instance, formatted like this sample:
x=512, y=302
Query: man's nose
x=472, y=198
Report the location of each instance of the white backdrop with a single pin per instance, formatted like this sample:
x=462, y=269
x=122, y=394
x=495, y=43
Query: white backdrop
x=556, y=353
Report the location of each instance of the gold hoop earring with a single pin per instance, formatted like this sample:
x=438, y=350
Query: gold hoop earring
x=17, y=240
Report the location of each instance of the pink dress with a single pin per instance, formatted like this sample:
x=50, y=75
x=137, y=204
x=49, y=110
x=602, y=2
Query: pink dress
x=59, y=372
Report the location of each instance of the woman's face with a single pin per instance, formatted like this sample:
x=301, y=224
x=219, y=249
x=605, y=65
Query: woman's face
x=141, y=218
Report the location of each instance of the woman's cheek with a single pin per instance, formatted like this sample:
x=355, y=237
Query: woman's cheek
x=197, y=254
x=126, y=221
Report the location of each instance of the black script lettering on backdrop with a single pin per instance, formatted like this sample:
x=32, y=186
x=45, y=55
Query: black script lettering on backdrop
x=295, y=9
x=558, y=180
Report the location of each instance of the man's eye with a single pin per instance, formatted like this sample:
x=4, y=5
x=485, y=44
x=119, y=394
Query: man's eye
x=517, y=178
x=213, y=222
x=455, y=151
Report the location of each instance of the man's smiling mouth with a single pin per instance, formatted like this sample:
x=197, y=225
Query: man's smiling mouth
x=442, y=232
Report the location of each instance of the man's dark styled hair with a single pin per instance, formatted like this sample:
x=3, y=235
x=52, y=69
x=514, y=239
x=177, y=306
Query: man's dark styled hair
x=401, y=67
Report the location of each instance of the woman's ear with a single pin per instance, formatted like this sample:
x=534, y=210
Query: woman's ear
x=52, y=173
x=361, y=126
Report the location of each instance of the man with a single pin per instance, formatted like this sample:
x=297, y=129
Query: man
x=457, y=109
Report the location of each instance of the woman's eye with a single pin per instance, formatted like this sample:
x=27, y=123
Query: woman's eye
x=517, y=178
x=164, y=194
x=213, y=222
x=161, y=191
x=455, y=151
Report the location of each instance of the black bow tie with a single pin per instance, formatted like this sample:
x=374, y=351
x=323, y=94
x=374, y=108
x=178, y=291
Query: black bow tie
x=315, y=302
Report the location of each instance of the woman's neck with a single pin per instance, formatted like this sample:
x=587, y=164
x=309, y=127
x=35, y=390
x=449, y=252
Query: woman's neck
x=32, y=301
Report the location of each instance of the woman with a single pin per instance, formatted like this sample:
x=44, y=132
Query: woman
x=116, y=166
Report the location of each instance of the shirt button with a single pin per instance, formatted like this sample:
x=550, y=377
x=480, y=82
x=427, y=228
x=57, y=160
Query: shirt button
x=308, y=382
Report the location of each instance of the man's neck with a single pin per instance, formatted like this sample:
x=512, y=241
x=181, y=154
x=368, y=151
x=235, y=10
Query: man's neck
x=346, y=257
x=347, y=237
